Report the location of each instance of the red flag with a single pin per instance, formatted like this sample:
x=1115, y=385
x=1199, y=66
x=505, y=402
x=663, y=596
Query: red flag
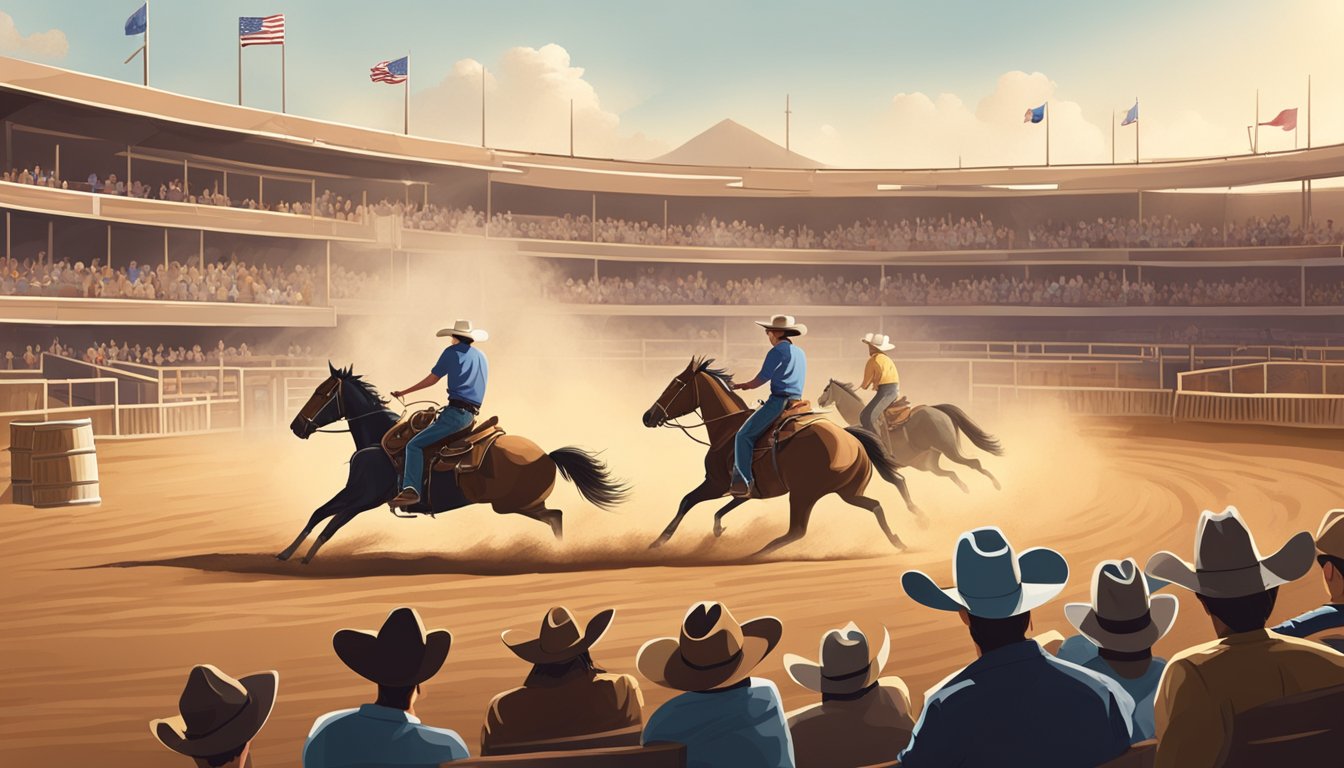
x=1287, y=120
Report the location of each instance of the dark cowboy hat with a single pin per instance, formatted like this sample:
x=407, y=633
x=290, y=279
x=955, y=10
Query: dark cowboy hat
x=992, y=581
x=847, y=663
x=713, y=650
x=1227, y=562
x=399, y=655
x=218, y=713
x=1124, y=614
x=559, y=638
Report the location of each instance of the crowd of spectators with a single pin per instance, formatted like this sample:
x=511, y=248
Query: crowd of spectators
x=232, y=282
x=1110, y=288
x=149, y=353
x=1011, y=698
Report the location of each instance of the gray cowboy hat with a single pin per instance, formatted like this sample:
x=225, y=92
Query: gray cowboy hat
x=991, y=581
x=399, y=655
x=785, y=323
x=1124, y=615
x=1227, y=562
x=463, y=328
x=847, y=663
x=559, y=638
x=713, y=651
x=218, y=714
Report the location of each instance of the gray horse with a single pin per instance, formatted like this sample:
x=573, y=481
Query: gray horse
x=931, y=432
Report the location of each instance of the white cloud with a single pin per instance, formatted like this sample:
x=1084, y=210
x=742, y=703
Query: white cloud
x=528, y=97
x=43, y=45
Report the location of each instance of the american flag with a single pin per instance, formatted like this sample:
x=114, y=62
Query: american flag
x=390, y=72
x=262, y=30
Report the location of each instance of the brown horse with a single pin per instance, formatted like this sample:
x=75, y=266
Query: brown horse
x=820, y=460
x=515, y=477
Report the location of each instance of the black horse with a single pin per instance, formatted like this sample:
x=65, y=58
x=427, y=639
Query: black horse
x=516, y=476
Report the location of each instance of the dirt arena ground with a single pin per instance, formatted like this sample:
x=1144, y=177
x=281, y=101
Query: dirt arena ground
x=107, y=607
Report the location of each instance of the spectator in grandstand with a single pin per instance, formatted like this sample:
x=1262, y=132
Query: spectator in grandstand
x=1205, y=687
x=863, y=718
x=29, y=357
x=399, y=658
x=565, y=694
x=1330, y=556
x=724, y=716
x=219, y=717
x=1117, y=632
x=1024, y=706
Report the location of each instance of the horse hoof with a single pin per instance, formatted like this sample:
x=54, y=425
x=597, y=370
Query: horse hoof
x=658, y=542
x=718, y=531
x=306, y=560
x=898, y=544
x=921, y=520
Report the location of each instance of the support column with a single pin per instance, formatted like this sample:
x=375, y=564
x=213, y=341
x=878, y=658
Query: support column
x=186, y=183
x=51, y=242
x=57, y=167
x=489, y=202
x=328, y=273
x=226, y=187
x=594, y=219
x=109, y=245
x=165, y=249
x=9, y=148
x=201, y=249
x=261, y=192
x=1302, y=286
x=128, y=164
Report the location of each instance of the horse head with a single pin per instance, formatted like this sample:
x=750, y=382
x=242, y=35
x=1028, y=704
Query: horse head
x=678, y=399
x=827, y=395
x=324, y=406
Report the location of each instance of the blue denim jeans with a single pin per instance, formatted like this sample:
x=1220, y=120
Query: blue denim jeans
x=756, y=425
x=872, y=416
x=450, y=420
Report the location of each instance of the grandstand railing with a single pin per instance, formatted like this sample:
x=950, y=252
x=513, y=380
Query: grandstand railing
x=1303, y=394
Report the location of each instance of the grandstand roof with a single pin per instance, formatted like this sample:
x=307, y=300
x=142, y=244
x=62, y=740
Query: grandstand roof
x=62, y=101
x=730, y=143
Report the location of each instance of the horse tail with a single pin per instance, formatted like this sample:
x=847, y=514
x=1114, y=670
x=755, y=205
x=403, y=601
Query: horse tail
x=982, y=439
x=590, y=476
x=883, y=461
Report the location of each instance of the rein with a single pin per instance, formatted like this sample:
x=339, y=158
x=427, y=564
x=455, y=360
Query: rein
x=668, y=421
x=337, y=394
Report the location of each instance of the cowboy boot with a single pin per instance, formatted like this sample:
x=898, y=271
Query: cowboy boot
x=406, y=498
x=741, y=489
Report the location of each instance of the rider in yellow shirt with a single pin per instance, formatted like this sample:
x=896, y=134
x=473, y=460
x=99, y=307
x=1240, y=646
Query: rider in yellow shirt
x=879, y=374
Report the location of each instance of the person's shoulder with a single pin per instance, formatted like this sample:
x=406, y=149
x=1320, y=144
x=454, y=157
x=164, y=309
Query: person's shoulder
x=1089, y=677
x=1198, y=654
x=763, y=687
x=617, y=680
x=440, y=737
x=325, y=721
x=1077, y=649
x=1301, y=646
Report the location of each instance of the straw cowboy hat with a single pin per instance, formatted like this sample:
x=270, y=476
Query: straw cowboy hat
x=991, y=581
x=400, y=654
x=785, y=323
x=713, y=650
x=1124, y=614
x=463, y=328
x=847, y=664
x=1330, y=538
x=218, y=713
x=559, y=639
x=879, y=340
x=1227, y=562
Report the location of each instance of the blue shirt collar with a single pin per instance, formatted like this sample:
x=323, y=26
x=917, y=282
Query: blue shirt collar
x=1025, y=650
x=379, y=712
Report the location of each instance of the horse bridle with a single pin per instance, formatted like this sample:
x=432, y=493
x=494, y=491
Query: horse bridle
x=670, y=421
x=336, y=392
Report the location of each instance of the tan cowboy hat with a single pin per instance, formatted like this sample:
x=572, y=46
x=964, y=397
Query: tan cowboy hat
x=847, y=664
x=399, y=655
x=559, y=639
x=785, y=323
x=713, y=651
x=1124, y=614
x=463, y=328
x=1330, y=538
x=1227, y=562
x=218, y=713
x=881, y=341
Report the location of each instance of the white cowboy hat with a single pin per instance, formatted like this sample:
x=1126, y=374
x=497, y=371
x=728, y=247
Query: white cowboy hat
x=879, y=340
x=463, y=328
x=1227, y=562
x=785, y=323
x=992, y=582
x=1124, y=614
x=847, y=663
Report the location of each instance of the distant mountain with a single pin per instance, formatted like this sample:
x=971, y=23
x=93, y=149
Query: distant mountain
x=732, y=144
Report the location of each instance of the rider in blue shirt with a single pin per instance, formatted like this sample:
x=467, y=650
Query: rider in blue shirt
x=466, y=370
x=785, y=368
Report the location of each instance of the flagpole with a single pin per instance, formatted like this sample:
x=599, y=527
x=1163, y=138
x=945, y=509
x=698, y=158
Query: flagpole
x=1308, y=111
x=482, y=105
x=1047, y=133
x=1112, y=137
x=571, y=127
x=282, y=78
x=1136, y=130
x=1255, y=145
x=240, y=65
x=406, y=99
x=144, y=60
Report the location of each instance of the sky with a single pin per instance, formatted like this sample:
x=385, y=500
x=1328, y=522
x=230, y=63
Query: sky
x=870, y=84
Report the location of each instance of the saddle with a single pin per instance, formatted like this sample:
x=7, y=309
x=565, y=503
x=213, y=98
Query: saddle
x=441, y=454
x=467, y=454
x=898, y=413
x=790, y=422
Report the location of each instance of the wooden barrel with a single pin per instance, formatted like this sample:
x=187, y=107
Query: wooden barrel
x=53, y=463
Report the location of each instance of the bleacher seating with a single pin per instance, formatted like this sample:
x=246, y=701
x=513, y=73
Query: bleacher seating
x=652, y=756
x=624, y=737
x=1306, y=729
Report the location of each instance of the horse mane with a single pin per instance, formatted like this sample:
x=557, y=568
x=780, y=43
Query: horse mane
x=347, y=374
x=845, y=385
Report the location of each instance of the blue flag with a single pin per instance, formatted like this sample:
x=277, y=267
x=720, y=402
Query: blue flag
x=1035, y=115
x=1132, y=116
x=136, y=24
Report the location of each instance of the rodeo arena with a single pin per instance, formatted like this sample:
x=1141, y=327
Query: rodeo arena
x=216, y=325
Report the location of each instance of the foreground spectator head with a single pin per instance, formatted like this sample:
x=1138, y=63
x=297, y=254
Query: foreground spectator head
x=398, y=658
x=565, y=695
x=863, y=718
x=1206, y=687
x=218, y=716
x=1321, y=624
x=1024, y=706
x=724, y=716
